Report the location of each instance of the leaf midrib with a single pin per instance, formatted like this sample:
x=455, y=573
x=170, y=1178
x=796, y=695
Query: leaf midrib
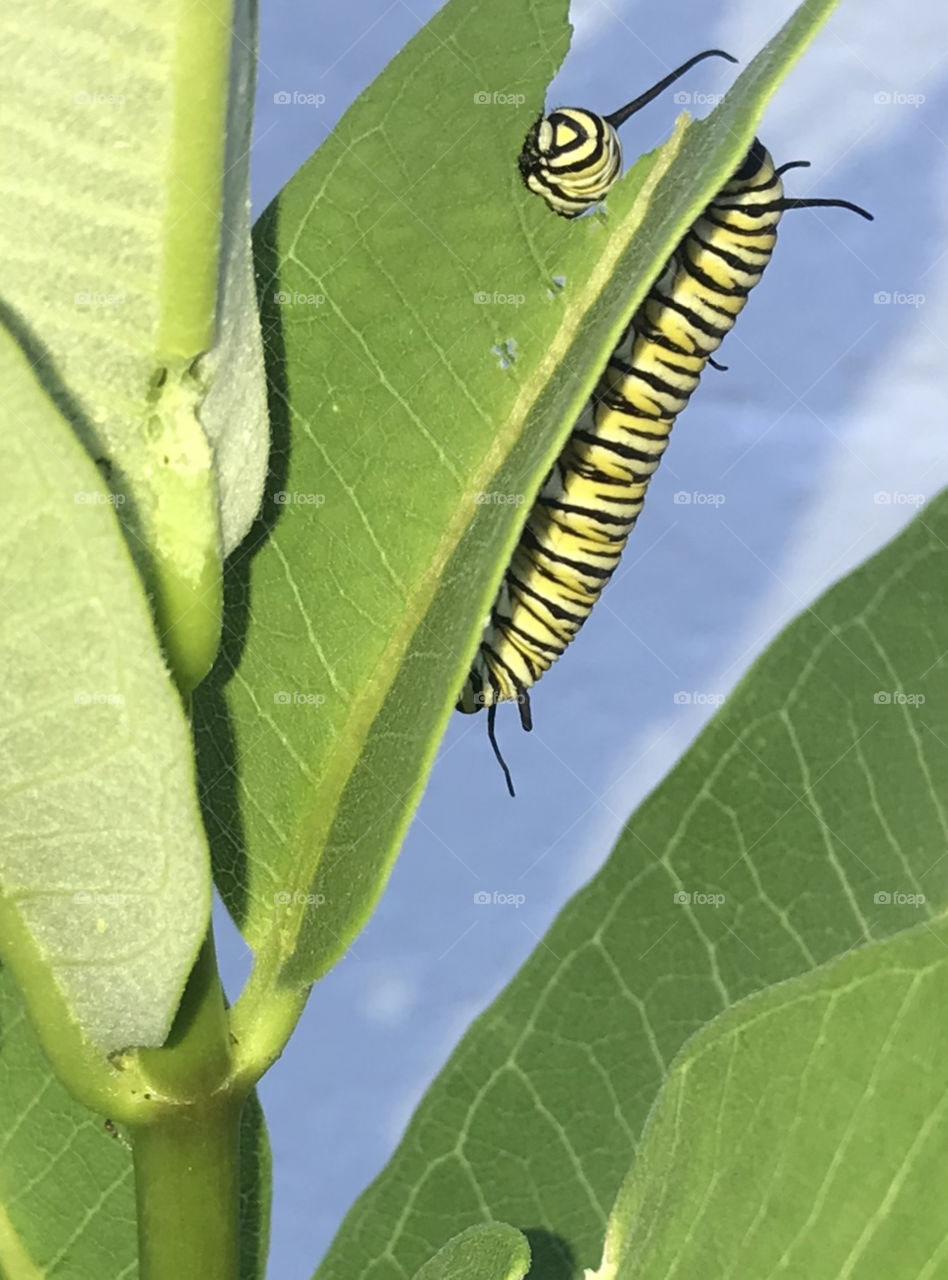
x=317, y=819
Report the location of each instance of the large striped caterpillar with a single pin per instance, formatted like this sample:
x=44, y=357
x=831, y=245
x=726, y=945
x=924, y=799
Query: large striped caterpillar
x=592, y=497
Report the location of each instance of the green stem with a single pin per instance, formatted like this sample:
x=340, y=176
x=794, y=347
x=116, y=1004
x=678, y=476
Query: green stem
x=187, y=1194
x=186, y=1144
x=194, y=1062
x=262, y=1021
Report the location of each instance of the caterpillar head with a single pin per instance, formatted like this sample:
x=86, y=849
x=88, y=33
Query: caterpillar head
x=571, y=158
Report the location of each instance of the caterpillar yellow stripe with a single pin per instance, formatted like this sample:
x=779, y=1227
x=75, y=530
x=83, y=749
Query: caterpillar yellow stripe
x=589, y=503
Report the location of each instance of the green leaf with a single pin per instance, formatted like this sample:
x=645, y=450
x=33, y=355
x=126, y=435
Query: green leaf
x=376, y=559
x=815, y=798
x=67, y=1198
x=104, y=877
x=494, y=1252
x=256, y=1179
x=803, y=1133
x=113, y=182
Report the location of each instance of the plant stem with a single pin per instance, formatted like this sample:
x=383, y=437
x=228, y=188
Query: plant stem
x=262, y=1020
x=194, y=1062
x=187, y=1194
x=186, y=1146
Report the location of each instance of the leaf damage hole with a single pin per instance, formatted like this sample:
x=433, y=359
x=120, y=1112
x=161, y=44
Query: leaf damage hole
x=506, y=352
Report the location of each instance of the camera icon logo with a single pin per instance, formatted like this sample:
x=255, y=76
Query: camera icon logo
x=882, y=899
x=481, y=898
x=682, y=899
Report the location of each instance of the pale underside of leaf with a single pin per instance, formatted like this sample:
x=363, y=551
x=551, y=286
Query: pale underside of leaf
x=104, y=867
x=492, y=1252
x=112, y=179
x=234, y=411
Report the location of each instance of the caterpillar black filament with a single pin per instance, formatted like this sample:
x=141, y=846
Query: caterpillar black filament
x=592, y=497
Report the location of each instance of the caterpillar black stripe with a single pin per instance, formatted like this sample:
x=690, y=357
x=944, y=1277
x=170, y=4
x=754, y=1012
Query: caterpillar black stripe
x=592, y=497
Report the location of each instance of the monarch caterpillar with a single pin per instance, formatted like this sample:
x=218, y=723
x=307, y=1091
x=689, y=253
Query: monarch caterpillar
x=572, y=157
x=591, y=498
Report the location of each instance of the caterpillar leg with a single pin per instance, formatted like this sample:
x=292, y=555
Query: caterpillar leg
x=526, y=715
